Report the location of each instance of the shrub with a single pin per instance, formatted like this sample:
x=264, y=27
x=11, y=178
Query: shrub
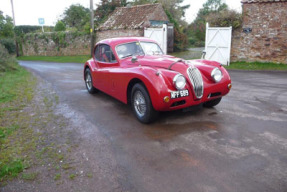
x=180, y=41
x=20, y=30
x=7, y=62
x=60, y=26
x=225, y=18
x=9, y=44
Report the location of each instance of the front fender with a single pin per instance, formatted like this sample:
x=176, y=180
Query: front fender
x=156, y=82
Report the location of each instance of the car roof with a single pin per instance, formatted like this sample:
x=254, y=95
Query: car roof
x=120, y=40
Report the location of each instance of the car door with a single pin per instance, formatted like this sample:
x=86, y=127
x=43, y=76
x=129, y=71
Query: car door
x=107, y=63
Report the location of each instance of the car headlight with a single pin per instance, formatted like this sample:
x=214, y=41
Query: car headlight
x=216, y=74
x=179, y=81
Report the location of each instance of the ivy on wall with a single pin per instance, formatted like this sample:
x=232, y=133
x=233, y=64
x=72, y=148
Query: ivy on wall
x=59, y=40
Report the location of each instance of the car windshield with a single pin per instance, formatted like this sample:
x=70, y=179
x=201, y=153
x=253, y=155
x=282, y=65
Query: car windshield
x=129, y=49
x=151, y=48
x=136, y=48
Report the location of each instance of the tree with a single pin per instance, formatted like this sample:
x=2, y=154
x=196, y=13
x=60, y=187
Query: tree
x=196, y=30
x=7, y=33
x=175, y=9
x=225, y=18
x=60, y=26
x=212, y=6
x=6, y=26
x=142, y=2
x=175, y=12
x=7, y=62
x=76, y=16
x=105, y=8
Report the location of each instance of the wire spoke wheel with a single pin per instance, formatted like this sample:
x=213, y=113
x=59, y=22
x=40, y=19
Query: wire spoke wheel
x=140, y=104
x=89, y=81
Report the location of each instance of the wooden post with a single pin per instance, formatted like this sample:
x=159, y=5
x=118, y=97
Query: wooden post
x=92, y=27
x=13, y=14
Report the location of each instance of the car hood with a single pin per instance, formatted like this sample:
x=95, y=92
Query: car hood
x=160, y=61
x=175, y=64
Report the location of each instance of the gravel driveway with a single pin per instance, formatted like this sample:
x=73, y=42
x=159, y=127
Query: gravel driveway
x=240, y=145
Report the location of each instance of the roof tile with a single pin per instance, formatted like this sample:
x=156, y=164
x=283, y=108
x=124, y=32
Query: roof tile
x=131, y=17
x=262, y=1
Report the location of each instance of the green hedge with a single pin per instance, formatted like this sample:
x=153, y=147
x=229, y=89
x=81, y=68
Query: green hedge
x=23, y=29
x=9, y=44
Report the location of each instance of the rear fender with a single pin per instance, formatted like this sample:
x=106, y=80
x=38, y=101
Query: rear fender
x=90, y=64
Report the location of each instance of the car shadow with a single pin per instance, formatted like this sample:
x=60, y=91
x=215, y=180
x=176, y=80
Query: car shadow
x=168, y=125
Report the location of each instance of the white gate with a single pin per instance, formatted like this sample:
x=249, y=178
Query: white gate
x=218, y=44
x=159, y=35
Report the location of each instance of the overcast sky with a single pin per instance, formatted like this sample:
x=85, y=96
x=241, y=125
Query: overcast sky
x=27, y=12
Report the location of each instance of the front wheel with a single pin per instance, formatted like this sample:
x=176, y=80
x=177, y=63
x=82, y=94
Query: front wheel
x=212, y=103
x=141, y=104
x=89, y=82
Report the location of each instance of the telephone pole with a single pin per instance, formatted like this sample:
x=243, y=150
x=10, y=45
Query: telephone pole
x=92, y=26
x=12, y=5
x=13, y=15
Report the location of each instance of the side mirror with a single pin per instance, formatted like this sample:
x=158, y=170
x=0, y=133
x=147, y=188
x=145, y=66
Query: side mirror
x=134, y=59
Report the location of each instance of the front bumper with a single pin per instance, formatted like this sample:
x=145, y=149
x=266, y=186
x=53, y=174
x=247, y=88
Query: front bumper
x=211, y=91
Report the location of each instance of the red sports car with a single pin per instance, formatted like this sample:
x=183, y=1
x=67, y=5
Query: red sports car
x=135, y=71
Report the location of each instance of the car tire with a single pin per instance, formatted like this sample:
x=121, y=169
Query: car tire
x=89, y=82
x=212, y=103
x=141, y=104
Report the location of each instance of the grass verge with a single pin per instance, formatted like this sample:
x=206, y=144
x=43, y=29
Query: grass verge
x=32, y=140
x=58, y=59
x=16, y=92
x=257, y=66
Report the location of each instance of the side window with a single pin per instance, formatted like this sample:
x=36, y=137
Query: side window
x=97, y=53
x=104, y=53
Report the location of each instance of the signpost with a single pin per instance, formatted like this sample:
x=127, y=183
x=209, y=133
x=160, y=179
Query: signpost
x=41, y=22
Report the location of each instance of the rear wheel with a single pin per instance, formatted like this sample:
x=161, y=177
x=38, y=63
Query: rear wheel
x=89, y=82
x=141, y=104
x=212, y=103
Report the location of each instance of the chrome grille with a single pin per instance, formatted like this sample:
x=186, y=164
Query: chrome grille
x=196, y=81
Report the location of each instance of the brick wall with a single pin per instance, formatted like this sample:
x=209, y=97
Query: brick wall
x=267, y=42
x=46, y=45
x=100, y=35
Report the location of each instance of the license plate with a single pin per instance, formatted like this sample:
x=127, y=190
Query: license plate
x=178, y=94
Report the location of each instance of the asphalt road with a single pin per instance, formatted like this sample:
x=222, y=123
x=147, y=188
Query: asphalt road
x=239, y=145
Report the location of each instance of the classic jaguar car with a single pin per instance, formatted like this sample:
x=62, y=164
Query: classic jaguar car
x=135, y=71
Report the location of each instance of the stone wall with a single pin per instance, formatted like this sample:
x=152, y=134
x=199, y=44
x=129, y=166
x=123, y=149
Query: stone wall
x=65, y=44
x=56, y=44
x=105, y=34
x=267, y=42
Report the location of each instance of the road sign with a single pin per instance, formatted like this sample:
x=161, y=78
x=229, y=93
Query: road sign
x=41, y=21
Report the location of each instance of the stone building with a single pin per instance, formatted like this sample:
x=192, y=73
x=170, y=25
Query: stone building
x=263, y=36
x=131, y=21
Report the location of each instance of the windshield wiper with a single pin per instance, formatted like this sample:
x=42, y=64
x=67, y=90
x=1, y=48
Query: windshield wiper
x=127, y=56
